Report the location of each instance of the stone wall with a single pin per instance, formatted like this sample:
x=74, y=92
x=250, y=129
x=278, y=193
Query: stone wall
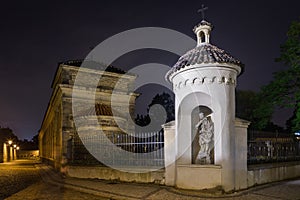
x=107, y=173
x=267, y=173
x=28, y=154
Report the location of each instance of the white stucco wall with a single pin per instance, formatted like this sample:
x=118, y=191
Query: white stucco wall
x=213, y=86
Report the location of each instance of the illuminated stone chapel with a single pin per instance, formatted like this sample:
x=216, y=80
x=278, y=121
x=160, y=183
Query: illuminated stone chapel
x=209, y=146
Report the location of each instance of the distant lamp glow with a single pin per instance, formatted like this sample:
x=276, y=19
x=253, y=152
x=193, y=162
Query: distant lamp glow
x=297, y=134
x=18, y=148
x=15, y=145
x=9, y=142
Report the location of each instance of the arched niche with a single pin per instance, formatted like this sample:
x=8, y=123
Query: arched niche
x=187, y=112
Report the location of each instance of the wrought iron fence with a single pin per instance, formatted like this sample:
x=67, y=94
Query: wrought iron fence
x=146, y=149
x=273, y=149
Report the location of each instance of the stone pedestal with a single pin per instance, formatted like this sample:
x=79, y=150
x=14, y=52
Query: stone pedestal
x=195, y=176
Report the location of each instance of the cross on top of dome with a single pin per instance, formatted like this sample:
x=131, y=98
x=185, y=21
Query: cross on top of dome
x=202, y=30
x=204, y=55
x=202, y=10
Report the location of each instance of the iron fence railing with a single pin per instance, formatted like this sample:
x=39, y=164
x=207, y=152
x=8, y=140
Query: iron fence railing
x=145, y=149
x=272, y=151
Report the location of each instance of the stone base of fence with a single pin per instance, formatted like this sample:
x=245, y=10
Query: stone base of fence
x=267, y=173
x=106, y=173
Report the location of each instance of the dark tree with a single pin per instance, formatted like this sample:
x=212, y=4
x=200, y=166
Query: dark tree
x=284, y=90
x=35, y=140
x=246, y=102
x=7, y=134
x=142, y=120
x=166, y=101
x=33, y=144
x=252, y=107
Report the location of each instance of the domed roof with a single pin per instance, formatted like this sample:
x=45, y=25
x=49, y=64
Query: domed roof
x=204, y=52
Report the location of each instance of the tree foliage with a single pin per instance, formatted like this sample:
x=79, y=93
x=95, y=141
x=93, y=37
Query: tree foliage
x=250, y=107
x=245, y=104
x=7, y=134
x=284, y=90
x=166, y=101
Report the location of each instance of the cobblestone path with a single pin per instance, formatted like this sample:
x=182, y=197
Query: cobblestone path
x=17, y=176
x=43, y=191
x=21, y=180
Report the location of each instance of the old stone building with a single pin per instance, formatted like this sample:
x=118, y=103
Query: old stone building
x=58, y=136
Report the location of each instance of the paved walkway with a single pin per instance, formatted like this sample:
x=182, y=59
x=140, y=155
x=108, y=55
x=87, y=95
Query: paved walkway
x=16, y=176
x=52, y=186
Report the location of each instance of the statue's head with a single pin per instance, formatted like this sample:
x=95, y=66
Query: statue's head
x=201, y=115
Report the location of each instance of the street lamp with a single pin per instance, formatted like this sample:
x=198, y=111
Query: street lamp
x=9, y=142
x=18, y=148
x=15, y=146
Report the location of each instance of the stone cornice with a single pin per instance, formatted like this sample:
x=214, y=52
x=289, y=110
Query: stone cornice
x=227, y=80
x=203, y=67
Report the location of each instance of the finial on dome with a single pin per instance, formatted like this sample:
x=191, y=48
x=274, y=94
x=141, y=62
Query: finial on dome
x=202, y=30
x=202, y=11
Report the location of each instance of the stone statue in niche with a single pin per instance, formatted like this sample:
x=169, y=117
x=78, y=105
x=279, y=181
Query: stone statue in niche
x=205, y=128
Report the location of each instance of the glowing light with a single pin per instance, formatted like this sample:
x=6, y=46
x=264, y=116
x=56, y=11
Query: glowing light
x=9, y=142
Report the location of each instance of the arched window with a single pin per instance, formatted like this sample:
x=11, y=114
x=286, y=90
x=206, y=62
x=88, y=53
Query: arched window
x=202, y=37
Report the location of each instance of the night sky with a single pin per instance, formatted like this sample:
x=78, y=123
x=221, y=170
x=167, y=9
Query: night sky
x=36, y=35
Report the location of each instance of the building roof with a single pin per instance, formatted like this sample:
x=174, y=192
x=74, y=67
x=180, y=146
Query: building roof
x=94, y=65
x=204, y=54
